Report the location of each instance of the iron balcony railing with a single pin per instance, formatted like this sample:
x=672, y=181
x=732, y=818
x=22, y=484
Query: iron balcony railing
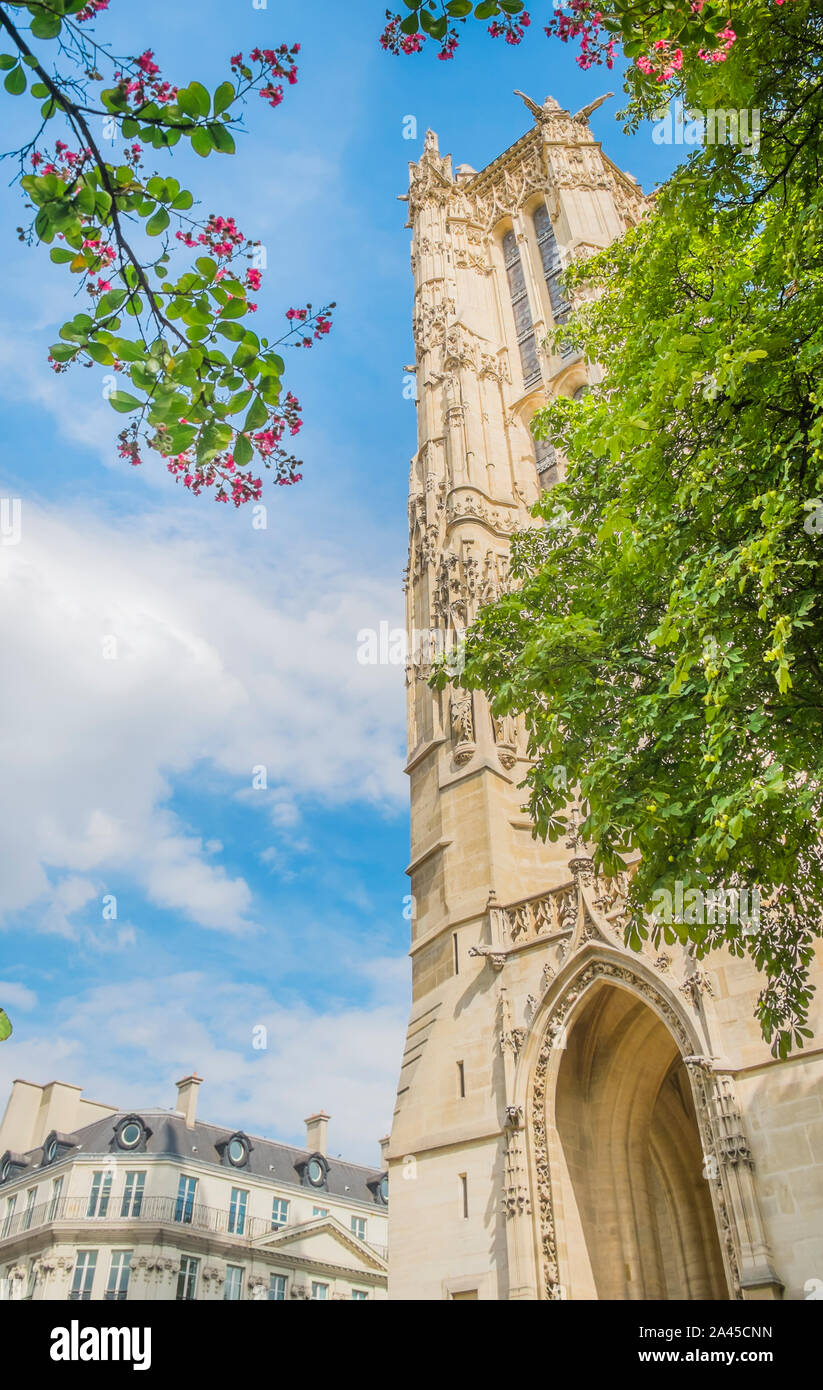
x=144, y=1211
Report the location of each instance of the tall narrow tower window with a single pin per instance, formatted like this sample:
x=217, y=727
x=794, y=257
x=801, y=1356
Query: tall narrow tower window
x=523, y=325
x=552, y=267
x=546, y=460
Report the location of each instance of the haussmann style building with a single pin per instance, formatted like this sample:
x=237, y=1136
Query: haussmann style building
x=573, y=1120
x=100, y=1203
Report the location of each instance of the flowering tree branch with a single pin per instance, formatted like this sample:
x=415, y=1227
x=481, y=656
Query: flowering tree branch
x=164, y=328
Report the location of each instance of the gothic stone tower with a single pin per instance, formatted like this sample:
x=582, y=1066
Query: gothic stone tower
x=573, y=1120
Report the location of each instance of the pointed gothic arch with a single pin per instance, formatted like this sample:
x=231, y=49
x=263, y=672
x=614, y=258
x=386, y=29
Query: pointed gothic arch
x=628, y=1198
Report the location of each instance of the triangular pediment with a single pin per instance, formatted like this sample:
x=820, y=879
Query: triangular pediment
x=323, y=1240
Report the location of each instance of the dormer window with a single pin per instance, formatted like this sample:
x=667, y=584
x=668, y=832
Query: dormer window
x=313, y=1170
x=131, y=1133
x=56, y=1146
x=235, y=1152
x=379, y=1188
x=12, y=1165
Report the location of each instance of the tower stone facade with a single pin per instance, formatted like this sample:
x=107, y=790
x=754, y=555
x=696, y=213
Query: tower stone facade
x=573, y=1120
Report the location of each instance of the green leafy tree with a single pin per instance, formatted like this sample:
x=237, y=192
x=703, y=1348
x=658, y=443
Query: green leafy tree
x=663, y=639
x=201, y=387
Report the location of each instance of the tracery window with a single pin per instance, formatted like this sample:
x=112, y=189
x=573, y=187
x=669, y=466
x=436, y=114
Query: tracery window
x=523, y=324
x=552, y=268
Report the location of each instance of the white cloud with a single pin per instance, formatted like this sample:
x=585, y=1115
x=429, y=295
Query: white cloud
x=223, y=662
x=16, y=996
x=343, y=1059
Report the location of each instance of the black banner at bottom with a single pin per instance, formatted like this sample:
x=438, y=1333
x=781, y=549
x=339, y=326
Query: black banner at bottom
x=67, y=1339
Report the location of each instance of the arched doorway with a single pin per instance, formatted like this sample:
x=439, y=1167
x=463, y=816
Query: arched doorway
x=637, y=1215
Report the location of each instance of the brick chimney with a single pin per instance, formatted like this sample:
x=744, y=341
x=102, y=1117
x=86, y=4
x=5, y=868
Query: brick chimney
x=316, y=1127
x=187, y=1097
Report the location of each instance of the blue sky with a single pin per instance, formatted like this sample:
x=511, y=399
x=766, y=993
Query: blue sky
x=236, y=647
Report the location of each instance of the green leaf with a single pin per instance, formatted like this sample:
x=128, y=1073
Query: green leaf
x=207, y=267
x=158, y=223
x=15, y=81
x=242, y=450
x=7, y=60
x=123, y=402
x=5, y=1026
x=235, y=309
x=183, y=201
x=100, y=353
x=223, y=97
x=46, y=26
x=221, y=138
x=62, y=352
x=194, y=100
x=60, y=255
x=257, y=416
x=201, y=142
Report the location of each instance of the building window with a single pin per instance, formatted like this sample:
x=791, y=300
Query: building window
x=187, y=1279
x=279, y=1213
x=545, y=457
x=237, y=1211
x=358, y=1227
x=83, y=1277
x=184, y=1206
x=552, y=268
x=119, y=1272
x=237, y=1151
x=31, y=1197
x=319, y=1291
x=133, y=1194
x=99, y=1195
x=455, y=953
x=56, y=1190
x=277, y=1287
x=130, y=1135
x=315, y=1172
x=464, y=1195
x=319, y=1211
x=523, y=325
x=11, y=1203
x=461, y=1081
x=233, y=1287
x=359, y=1294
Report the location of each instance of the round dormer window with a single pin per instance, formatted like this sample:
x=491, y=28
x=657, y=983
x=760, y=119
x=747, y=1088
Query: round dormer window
x=5, y=1170
x=315, y=1172
x=51, y=1151
x=238, y=1153
x=383, y=1188
x=130, y=1135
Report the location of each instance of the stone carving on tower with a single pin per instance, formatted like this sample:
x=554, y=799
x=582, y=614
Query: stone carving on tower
x=525, y=997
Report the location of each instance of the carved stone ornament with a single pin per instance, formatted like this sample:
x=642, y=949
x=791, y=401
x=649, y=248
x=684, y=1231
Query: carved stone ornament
x=708, y=1097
